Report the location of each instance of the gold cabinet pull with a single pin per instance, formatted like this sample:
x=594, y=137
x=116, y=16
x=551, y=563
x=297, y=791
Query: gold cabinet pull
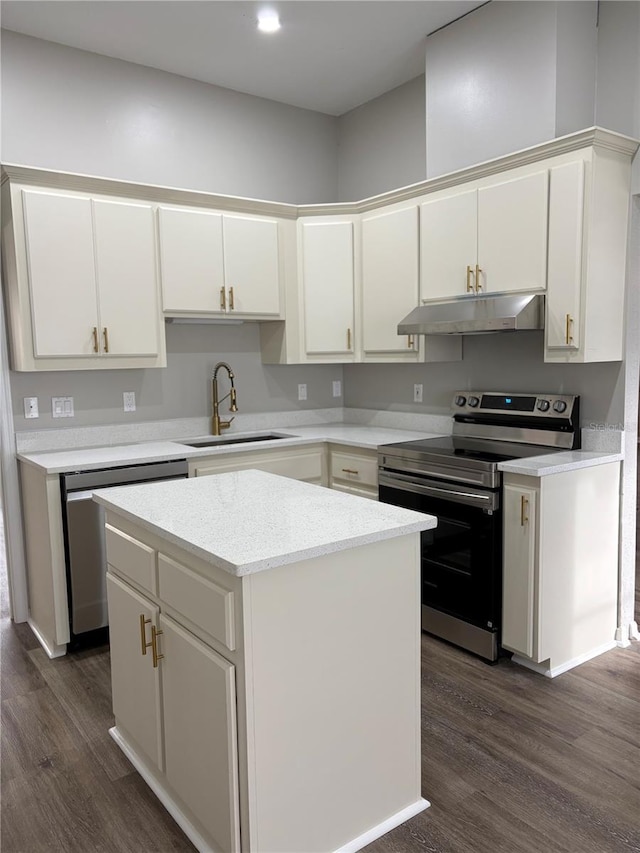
x=105, y=334
x=469, y=282
x=223, y=299
x=143, y=633
x=154, y=646
x=568, y=335
x=95, y=339
x=478, y=282
x=410, y=341
x=348, y=339
x=350, y=471
x=231, y=303
x=524, y=517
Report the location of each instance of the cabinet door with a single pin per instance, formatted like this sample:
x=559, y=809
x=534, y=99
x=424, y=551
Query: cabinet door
x=191, y=260
x=448, y=245
x=327, y=249
x=519, y=563
x=135, y=683
x=201, y=749
x=566, y=204
x=127, y=278
x=251, y=265
x=389, y=279
x=512, y=234
x=62, y=284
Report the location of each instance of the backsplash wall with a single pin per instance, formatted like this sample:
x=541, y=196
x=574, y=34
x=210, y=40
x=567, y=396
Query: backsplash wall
x=183, y=388
x=501, y=362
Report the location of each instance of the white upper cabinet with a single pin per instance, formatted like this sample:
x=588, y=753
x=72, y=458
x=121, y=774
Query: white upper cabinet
x=327, y=266
x=389, y=280
x=566, y=204
x=489, y=239
x=82, y=282
x=127, y=282
x=62, y=283
x=191, y=260
x=214, y=263
x=251, y=265
x=512, y=234
x=448, y=245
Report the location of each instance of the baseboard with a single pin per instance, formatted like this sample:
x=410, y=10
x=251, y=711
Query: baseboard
x=553, y=671
x=386, y=826
x=52, y=649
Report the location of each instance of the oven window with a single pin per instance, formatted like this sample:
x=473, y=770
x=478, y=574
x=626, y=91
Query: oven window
x=450, y=545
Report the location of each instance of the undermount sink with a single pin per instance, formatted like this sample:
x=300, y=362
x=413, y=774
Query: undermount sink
x=246, y=439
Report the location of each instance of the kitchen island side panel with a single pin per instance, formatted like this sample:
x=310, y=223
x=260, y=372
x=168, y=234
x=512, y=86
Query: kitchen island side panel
x=333, y=695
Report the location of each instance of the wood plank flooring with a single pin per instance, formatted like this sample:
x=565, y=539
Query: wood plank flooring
x=512, y=762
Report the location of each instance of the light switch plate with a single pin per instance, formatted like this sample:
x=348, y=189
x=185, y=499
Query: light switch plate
x=302, y=392
x=129, y=401
x=62, y=407
x=417, y=393
x=31, y=407
x=337, y=388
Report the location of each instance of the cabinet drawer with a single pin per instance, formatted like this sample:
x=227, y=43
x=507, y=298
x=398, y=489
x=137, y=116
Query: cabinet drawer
x=203, y=602
x=306, y=466
x=353, y=468
x=132, y=558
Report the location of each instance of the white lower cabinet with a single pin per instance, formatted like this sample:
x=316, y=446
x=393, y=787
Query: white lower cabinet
x=354, y=470
x=560, y=566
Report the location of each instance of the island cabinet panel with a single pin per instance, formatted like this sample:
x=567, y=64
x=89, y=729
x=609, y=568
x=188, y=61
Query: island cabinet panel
x=201, y=748
x=133, y=558
x=208, y=605
x=135, y=682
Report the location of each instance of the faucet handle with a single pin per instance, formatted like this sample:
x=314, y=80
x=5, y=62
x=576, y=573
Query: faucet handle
x=226, y=424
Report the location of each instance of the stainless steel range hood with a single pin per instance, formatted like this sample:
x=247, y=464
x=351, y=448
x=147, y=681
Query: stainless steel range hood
x=476, y=315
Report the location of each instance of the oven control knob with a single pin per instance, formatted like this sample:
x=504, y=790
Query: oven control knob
x=460, y=400
x=559, y=406
x=473, y=402
x=543, y=405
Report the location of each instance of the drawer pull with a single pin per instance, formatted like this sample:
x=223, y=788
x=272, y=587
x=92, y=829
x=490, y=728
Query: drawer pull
x=154, y=646
x=143, y=633
x=350, y=471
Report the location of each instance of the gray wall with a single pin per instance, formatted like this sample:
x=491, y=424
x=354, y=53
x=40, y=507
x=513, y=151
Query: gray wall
x=181, y=390
x=75, y=111
x=382, y=143
x=501, y=362
x=507, y=76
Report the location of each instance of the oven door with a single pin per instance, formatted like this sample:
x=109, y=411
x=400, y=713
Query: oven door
x=462, y=556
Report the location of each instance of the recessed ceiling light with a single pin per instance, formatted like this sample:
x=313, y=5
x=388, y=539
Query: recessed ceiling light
x=268, y=21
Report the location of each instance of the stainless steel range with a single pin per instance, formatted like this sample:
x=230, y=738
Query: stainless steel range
x=456, y=478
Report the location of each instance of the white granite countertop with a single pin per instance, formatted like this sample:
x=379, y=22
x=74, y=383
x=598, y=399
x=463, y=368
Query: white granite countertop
x=90, y=459
x=249, y=521
x=557, y=463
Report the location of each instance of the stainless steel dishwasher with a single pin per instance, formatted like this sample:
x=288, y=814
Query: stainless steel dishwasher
x=83, y=524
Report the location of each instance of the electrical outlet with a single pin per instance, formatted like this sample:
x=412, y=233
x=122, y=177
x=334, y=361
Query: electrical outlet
x=31, y=407
x=302, y=392
x=337, y=388
x=62, y=407
x=129, y=401
x=417, y=393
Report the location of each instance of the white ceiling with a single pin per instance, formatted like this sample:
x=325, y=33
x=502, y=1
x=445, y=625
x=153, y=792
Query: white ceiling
x=329, y=56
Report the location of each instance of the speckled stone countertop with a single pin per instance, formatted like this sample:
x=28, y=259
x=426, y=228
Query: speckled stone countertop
x=92, y=458
x=249, y=521
x=557, y=463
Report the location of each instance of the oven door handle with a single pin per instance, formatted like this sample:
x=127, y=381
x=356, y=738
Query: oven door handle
x=410, y=484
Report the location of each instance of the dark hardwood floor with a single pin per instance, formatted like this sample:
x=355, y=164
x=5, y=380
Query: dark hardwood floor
x=512, y=762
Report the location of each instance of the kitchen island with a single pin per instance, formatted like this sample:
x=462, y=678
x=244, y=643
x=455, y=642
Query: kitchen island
x=265, y=648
